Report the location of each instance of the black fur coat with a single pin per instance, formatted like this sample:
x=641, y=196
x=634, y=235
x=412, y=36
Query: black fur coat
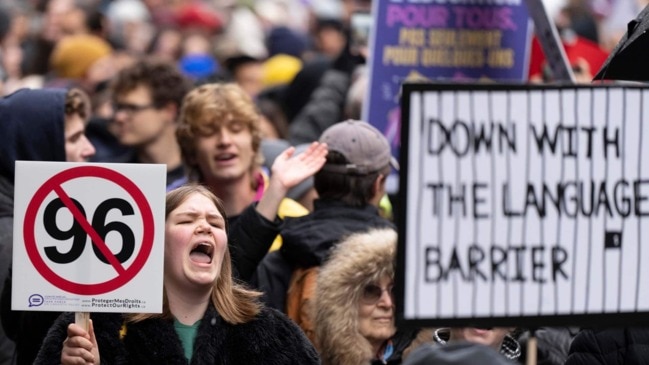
x=270, y=339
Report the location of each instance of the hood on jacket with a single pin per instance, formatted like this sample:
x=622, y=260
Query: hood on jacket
x=32, y=124
x=307, y=240
x=361, y=259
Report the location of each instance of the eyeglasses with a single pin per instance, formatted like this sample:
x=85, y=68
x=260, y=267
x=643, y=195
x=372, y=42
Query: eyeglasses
x=129, y=108
x=372, y=293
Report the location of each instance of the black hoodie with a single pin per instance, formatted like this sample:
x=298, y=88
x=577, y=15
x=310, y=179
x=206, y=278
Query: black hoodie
x=32, y=125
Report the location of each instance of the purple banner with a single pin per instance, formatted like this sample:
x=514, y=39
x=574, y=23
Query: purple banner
x=441, y=39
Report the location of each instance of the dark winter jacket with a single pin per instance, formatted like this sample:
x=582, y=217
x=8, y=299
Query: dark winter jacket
x=628, y=346
x=32, y=125
x=308, y=241
x=324, y=109
x=270, y=339
x=249, y=246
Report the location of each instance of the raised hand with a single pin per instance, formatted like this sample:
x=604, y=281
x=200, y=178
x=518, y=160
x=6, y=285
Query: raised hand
x=289, y=170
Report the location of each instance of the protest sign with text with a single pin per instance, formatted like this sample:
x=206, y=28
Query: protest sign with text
x=524, y=204
x=441, y=39
x=88, y=237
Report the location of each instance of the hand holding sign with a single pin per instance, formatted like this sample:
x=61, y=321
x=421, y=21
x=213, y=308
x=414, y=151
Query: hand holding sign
x=81, y=345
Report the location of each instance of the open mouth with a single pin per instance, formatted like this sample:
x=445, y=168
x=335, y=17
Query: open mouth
x=225, y=157
x=202, y=253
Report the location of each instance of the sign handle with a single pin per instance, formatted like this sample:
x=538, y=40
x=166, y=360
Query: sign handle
x=82, y=319
x=530, y=359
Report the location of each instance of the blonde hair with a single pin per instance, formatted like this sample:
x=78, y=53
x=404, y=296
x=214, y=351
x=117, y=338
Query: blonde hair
x=234, y=303
x=204, y=108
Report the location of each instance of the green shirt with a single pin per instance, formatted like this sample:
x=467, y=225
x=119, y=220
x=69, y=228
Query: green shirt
x=187, y=335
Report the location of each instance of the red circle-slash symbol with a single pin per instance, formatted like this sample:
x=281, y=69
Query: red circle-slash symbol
x=54, y=184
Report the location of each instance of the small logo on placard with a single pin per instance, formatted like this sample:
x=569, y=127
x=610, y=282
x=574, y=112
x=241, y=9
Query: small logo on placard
x=35, y=300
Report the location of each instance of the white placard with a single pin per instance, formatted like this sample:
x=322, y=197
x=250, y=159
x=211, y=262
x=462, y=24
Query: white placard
x=524, y=202
x=88, y=237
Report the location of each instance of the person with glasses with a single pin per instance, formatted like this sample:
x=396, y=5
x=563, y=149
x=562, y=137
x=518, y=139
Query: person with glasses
x=146, y=101
x=354, y=305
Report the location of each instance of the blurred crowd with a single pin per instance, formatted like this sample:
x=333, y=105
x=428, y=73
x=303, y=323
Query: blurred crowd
x=259, y=101
x=261, y=45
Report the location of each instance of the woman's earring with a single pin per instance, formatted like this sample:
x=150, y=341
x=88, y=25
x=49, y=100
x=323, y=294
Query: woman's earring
x=510, y=348
x=442, y=335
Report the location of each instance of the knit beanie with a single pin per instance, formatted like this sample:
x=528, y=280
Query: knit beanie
x=73, y=55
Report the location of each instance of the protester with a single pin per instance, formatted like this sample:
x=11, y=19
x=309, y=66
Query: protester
x=220, y=139
x=350, y=186
x=326, y=105
x=610, y=346
x=35, y=125
x=354, y=305
x=460, y=353
x=38, y=51
x=327, y=32
x=74, y=58
x=247, y=72
x=498, y=338
x=207, y=317
x=147, y=98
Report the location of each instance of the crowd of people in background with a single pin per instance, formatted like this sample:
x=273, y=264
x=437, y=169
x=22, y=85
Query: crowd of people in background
x=254, y=107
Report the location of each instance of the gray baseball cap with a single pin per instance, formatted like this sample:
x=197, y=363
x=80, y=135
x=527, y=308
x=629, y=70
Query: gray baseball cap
x=364, y=146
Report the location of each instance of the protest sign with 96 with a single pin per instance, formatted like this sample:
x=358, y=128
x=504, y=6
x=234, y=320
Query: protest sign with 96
x=88, y=237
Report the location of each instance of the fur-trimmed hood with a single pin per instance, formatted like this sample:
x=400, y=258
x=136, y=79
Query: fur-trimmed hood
x=360, y=259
